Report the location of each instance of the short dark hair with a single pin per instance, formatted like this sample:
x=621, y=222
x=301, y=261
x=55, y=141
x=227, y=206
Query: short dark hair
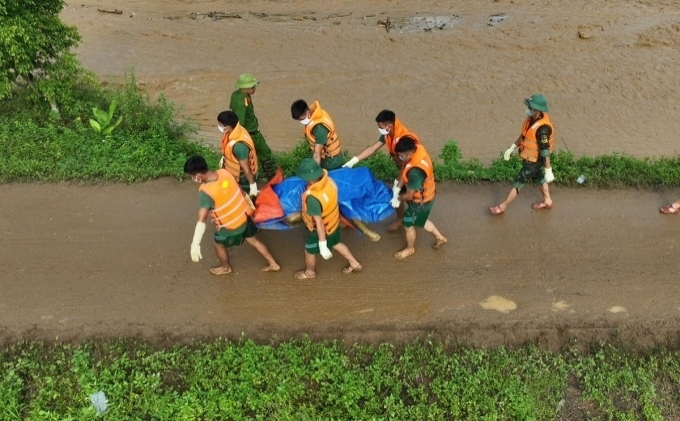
x=386, y=116
x=196, y=165
x=298, y=108
x=228, y=118
x=405, y=144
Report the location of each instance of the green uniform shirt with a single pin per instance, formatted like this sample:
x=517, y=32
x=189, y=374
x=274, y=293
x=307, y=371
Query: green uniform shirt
x=206, y=202
x=416, y=178
x=242, y=105
x=241, y=151
x=320, y=133
x=416, y=181
x=313, y=206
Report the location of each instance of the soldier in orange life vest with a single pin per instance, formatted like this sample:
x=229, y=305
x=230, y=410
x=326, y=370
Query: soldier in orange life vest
x=535, y=144
x=417, y=179
x=221, y=197
x=321, y=215
x=320, y=134
x=239, y=156
x=391, y=132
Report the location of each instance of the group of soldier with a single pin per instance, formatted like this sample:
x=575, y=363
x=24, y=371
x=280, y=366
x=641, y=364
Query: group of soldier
x=224, y=195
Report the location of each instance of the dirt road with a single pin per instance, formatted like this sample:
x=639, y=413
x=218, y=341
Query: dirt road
x=81, y=261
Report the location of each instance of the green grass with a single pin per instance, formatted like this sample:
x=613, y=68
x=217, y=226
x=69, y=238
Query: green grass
x=152, y=142
x=306, y=380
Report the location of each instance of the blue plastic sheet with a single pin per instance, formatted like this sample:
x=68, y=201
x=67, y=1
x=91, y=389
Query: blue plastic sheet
x=361, y=197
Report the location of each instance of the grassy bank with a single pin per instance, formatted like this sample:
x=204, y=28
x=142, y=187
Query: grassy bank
x=152, y=141
x=304, y=380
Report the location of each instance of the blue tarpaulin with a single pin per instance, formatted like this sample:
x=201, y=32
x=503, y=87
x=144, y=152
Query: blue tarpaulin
x=361, y=197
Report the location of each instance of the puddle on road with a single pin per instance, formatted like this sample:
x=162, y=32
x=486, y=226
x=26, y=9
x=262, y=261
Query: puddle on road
x=617, y=309
x=499, y=304
x=562, y=306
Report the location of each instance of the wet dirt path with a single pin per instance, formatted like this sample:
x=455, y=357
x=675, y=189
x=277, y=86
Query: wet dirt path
x=82, y=261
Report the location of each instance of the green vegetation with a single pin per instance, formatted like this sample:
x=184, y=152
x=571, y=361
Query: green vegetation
x=305, y=380
x=148, y=143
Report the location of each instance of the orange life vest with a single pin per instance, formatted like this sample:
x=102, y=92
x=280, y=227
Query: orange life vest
x=229, y=140
x=326, y=192
x=400, y=131
x=528, y=148
x=421, y=159
x=231, y=210
x=319, y=116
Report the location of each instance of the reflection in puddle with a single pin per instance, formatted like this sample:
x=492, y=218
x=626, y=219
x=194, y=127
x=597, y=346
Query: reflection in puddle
x=499, y=304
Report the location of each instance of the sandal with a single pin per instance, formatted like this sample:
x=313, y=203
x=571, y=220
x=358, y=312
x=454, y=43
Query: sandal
x=304, y=274
x=496, y=210
x=350, y=270
x=541, y=205
x=669, y=210
x=271, y=268
x=220, y=271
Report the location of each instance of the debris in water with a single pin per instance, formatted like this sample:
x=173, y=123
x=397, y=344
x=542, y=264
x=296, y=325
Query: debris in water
x=427, y=23
x=583, y=35
x=387, y=23
x=617, y=309
x=496, y=19
x=115, y=11
x=223, y=15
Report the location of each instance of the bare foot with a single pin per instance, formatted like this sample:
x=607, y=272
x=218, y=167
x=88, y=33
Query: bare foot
x=394, y=225
x=497, y=210
x=440, y=242
x=271, y=268
x=220, y=271
x=352, y=269
x=401, y=255
x=305, y=274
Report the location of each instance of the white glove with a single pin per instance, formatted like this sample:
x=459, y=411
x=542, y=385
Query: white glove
x=325, y=251
x=395, y=188
x=395, y=195
x=221, y=164
x=253, y=190
x=196, y=243
x=509, y=152
x=549, y=177
x=352, y=162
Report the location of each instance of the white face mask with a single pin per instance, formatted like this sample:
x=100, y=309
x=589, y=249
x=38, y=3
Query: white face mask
x=221, y=129
x=403, y=158
x=529, y=112
x=305, y=121
x=383, y=132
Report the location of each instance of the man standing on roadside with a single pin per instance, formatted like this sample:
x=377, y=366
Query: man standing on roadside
x=417, y=177
x=242, y=104
x=222, y=199
x=535, y=144
x=320, y=134
x=391, y=132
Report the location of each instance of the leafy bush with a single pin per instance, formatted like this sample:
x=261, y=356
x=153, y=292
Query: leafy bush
x=148, y=143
